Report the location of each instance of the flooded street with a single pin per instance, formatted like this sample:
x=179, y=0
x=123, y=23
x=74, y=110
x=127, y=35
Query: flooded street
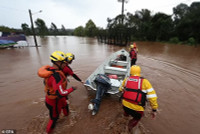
x=173, y=70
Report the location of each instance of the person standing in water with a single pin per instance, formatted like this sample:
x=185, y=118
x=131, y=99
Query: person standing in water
x=133, y=53
x=136, y=90
x=55, y=87
x=69, y=57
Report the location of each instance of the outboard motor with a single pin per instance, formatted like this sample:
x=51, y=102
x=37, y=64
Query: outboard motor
x=103, y=84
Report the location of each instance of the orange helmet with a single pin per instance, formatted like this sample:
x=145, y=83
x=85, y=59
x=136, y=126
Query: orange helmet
x=134, y=45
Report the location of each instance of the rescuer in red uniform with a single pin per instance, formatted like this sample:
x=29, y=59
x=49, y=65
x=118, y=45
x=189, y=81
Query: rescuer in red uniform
x=55, y=87
x=133, y=53
x=69, y=57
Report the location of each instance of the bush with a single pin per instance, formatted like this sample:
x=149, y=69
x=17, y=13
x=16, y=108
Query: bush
x=174, y=40
x=191, y=41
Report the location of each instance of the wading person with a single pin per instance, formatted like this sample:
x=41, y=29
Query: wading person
x=133, y=53
x=69, y=57
x=136, y=90
x=55, y=87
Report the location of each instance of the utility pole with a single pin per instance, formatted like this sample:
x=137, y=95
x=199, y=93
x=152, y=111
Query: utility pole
x=123, y=9
x=32, y=26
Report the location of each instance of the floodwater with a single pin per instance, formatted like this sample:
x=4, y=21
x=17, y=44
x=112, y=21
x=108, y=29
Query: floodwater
x=173, y=70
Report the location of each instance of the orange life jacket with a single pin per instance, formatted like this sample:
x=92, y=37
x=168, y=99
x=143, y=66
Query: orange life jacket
x=47, y=71
x=133, y=91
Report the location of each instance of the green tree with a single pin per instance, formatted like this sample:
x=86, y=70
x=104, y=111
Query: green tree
x=187, y=21
x=180, y=11
x=194, y=20
x=26, y=28
x=79, y=31
x=140, y=23
x=6, y=29
x=162, y=27
x=53, y=30
x=41, y=27
x=90, y=29
x=63, y=30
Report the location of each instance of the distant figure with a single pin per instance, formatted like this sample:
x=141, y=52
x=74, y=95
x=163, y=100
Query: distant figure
x=136, y=90
x=133, y=53
x=55, y=87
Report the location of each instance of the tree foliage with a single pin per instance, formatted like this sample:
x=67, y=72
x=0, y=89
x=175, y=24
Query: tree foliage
x=187, y=21
x=90, y=29
x=41, y=27
x=183, y=25
x=53, y=29
x=26, y=29
x=79, y=31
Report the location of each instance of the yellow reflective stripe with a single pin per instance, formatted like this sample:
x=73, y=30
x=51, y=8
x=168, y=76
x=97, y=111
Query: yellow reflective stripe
x=151, y=96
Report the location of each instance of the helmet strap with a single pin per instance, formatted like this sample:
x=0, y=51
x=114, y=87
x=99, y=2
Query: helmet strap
x=59, y=67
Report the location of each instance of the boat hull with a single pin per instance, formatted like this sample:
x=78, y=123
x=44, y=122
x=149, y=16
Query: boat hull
x=116, y=66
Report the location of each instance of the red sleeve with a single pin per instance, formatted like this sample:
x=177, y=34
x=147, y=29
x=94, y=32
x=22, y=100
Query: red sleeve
x=68, y=71
x=57, y=86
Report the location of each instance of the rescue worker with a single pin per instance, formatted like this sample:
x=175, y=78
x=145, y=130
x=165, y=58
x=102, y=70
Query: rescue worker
x=67, y=69
x=136, y=90
x=135, y=47
x=55, y=87
x=133, y=53
x=69, y=57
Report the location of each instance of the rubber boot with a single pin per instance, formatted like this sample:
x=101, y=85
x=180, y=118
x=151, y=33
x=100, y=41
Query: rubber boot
x=132, y=123
x=49, y=127
x=66, y=110
x=125, y=114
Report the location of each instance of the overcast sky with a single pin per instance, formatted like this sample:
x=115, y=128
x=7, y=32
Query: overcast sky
x=74, y=13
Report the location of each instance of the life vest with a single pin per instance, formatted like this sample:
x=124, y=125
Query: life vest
x=47, y=71
x=133, y=91
x=133, y=54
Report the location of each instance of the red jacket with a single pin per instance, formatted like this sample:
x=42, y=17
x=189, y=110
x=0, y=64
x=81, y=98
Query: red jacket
x=133, y=54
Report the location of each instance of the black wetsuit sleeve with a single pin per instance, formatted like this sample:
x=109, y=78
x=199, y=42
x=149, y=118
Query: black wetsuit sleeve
x=76, y=77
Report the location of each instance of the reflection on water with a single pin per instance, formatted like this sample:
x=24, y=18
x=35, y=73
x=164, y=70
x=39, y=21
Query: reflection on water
x=173, y=71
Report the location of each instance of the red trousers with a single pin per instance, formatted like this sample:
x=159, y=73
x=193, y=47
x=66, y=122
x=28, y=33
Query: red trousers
x=55, y=106
x=137, y=115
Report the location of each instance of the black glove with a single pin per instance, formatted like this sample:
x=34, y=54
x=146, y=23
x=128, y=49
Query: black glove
x=74, y=88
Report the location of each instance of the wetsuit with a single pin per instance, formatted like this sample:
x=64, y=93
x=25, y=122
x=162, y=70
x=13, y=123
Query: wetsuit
x=55, y=88
x=68, y=71
x=133, y=56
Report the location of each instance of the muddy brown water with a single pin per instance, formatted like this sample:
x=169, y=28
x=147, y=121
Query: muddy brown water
x=173, y=70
